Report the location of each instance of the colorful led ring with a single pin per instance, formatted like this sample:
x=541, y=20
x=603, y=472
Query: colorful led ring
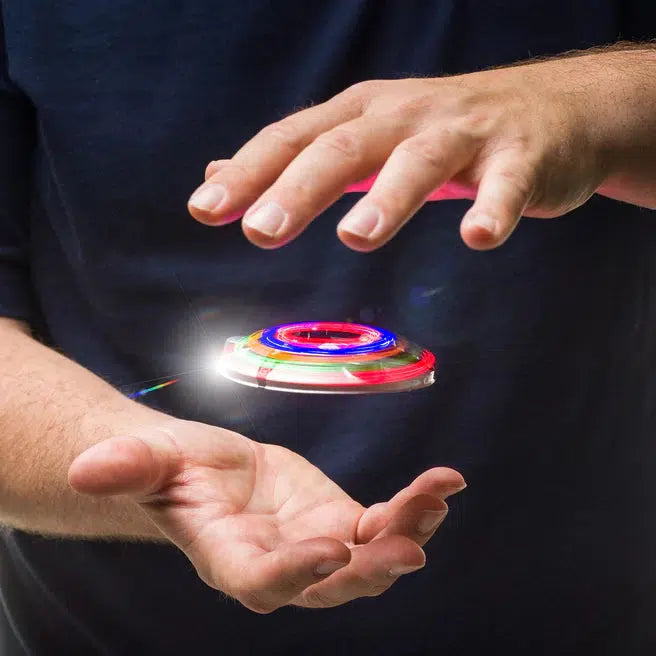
x=327, y=357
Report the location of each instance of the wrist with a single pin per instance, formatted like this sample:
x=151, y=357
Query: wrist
x=119, y=417
x=615, y=96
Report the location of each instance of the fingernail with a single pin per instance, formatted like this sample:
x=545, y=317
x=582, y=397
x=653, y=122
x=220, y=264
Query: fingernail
x=361, y=222
x=208, y=197
x=404, y=569
x=459, y=488
x=267, y=219
x=429, y=520
x=482, y=221
x=328, y=567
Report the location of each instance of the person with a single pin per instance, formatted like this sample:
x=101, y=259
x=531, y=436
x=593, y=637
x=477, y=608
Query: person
x=160, y=526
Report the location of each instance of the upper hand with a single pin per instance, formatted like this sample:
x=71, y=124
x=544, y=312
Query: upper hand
x=261, y=523
x=513, y=139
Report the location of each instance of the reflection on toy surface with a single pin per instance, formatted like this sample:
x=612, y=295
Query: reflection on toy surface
x=327, y=357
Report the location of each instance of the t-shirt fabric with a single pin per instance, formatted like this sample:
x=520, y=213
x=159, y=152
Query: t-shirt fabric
x=545, y=397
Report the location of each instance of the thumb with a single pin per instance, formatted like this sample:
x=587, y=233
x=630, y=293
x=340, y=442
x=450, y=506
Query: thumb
x=124, y=465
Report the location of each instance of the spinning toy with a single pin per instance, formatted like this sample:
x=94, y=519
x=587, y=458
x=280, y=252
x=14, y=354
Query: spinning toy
x=327, y=357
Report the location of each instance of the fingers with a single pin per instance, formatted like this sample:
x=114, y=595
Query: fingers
x=441, y=482
x=417, y=519
x=124, y=465
x=236, y=184
x=419, y=168
x=415, y=169
x=264, y=581
x=314, y=573
x=505, y=190
x=432, y=487
x=373, y=569
x=214, y=167
x=318, y=176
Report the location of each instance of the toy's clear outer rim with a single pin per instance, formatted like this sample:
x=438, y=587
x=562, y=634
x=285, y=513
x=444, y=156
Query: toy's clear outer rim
x=377, y=388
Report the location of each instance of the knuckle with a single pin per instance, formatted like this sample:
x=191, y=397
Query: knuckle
x=359, y=90
x=369, y=587
x=345, y=142
x=471, y=131
x=285, y=134
x=517, y=179
x=300, y=197
x=523, y=142
x=412, y=106
x=231, y=171
x=476, y=123
x=426, y=148
x=361, y=94
x=472, y=122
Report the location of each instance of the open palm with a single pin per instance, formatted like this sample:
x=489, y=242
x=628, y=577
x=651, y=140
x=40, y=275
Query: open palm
x=260, y=522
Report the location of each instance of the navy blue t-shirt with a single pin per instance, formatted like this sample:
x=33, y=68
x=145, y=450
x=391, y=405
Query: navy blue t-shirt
x=546, y=396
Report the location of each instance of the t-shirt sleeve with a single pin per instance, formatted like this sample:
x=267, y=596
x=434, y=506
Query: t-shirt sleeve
x=17, y=139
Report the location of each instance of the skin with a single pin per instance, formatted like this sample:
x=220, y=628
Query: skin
x=535, y=140
x=257, y=521
x=261, y=523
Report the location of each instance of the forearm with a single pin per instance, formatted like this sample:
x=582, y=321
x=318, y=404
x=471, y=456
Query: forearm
x=51, y=410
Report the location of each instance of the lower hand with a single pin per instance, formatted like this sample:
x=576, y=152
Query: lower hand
x=519, y=140
x=261, y=523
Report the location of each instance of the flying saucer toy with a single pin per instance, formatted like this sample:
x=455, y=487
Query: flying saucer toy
x=327, y=357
